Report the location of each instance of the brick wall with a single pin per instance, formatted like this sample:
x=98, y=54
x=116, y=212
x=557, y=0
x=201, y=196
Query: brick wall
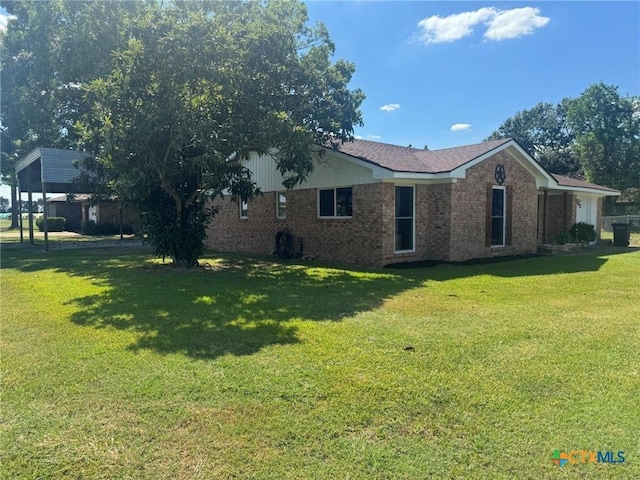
x=437, y=224
x=359, y=239
x=72, y=212
x=469, y=210
x=560, y=215
x=109, y=212
x=450, y=220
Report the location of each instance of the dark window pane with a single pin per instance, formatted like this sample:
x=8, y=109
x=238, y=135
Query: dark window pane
x=404, y=234
x=497, y=231
x=497, y=209
x=326, y=203
x=404, y=201
x=282, y=205
x=344, y=198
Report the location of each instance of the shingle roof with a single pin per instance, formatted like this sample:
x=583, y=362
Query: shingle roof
x=572, y=182
x=413, y=160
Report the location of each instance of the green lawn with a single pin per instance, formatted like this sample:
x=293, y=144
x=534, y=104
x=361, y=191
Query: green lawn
x=115, y=366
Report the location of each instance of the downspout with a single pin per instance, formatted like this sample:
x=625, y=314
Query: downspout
x=564, y=211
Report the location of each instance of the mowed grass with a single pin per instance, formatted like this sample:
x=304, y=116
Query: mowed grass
x=11, y=237
x=115, y=366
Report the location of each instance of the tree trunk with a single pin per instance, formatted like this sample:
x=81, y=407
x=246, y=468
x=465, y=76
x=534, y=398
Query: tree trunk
x=14, y=206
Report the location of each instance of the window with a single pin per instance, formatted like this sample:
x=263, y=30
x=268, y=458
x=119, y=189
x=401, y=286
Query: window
x=404, y=219
x=281, y=205
x=335, y=202
x=498, y=217
x=244, y=209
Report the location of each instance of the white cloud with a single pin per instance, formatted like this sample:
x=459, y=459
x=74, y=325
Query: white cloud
x=501, y=24
x=515, y=23
x=458, y=127
x=358, y=137
x=374, y=137
x=438, y=29
x=390, y=107
x=4, y=20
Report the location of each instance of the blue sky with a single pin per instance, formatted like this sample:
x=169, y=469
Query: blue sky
x=474, y=64
x=449, y=73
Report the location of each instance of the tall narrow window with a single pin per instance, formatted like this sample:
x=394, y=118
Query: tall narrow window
x=244, y=209
x=404, y=219
x=281, y=205
x=498, y=217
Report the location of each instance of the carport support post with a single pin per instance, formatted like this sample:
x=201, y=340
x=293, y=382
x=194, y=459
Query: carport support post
x=20, y=211
x=30, y=200
x=44, y=218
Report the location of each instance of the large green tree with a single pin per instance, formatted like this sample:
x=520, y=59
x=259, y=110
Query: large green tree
x=47, y=51
x=543, y=132
x=197, y=89
x=606, y=126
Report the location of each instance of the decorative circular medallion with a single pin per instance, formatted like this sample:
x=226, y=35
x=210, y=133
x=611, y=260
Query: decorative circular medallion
x=500, y=174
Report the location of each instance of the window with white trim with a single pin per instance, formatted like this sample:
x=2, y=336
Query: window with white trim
x=335, y=202
x=244, y=209
x=281, y=205
x=404, y=228
x=498, y=217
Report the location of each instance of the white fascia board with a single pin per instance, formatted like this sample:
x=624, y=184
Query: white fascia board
x=419, y=181
x=591, y=191
x=32, y=156
x=543, y=178
x=434, y=177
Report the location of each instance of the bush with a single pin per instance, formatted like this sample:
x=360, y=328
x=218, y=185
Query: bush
x=583, y=232
x=103, y=228
x=563, y=238
x=54, y=224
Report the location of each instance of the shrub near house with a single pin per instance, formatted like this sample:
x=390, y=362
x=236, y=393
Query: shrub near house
x=54, y=224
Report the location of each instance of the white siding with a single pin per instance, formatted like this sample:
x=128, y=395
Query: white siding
x=587, y=209
x=330, y=172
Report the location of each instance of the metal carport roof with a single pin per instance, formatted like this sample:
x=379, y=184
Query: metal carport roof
x=46, y=170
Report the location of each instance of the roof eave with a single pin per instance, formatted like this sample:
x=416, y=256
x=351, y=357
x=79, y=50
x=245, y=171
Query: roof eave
x=593, y=191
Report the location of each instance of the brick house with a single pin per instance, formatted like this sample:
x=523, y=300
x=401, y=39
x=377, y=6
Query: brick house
x=82, y=208
x=375, y=204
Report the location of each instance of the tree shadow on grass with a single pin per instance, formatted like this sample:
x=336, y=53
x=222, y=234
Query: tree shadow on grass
x=236, y=306
x=239, y=304
x=588, y=260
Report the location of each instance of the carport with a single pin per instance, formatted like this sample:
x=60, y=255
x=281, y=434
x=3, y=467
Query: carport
x=45, y=170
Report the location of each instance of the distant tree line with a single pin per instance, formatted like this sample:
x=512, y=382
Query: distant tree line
x=595, y=137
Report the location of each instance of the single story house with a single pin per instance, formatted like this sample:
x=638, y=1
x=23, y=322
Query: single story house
x=372, y=203
x=80, y=208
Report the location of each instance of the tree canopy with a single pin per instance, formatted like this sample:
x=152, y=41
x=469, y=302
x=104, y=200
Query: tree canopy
x=187, y=92
x=595, y=136
x=607, y=133
x=47, y=51
x=543, y=132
